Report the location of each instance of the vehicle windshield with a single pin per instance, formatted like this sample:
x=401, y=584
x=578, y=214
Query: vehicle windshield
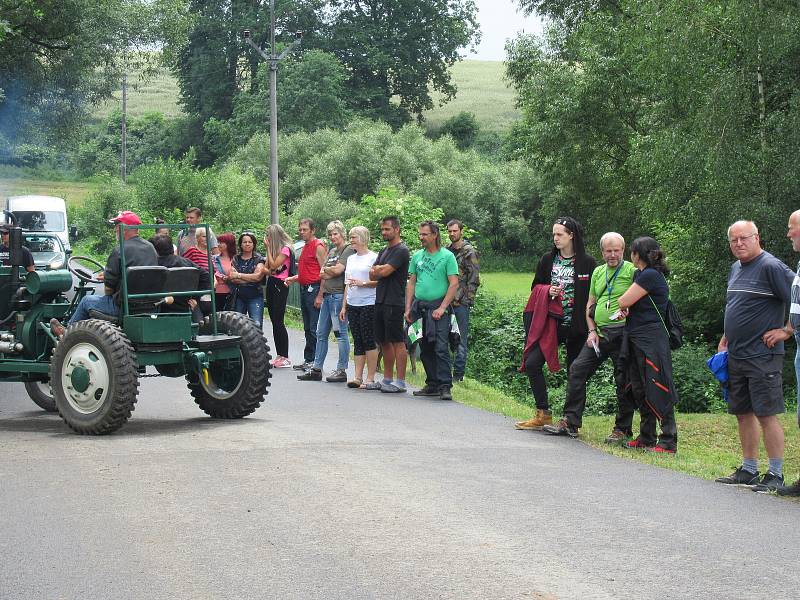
x=37, y=244
x=38, y=220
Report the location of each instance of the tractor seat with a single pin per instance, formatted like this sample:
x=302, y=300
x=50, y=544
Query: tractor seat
x=181, y=279
x=145, y=280
x=96, y=314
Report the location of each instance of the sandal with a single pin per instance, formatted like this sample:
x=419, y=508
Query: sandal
x=372, y=385
x=354, y=383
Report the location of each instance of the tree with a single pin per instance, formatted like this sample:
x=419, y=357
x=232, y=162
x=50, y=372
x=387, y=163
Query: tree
x=400, y=48
x=58, y=56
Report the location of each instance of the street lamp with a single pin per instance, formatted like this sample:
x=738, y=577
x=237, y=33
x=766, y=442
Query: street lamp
x=273, y=60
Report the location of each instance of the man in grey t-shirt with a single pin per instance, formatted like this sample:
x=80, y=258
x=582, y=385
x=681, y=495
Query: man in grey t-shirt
x=755, y=308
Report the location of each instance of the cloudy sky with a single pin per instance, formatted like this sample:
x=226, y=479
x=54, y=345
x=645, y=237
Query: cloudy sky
x=499, y=20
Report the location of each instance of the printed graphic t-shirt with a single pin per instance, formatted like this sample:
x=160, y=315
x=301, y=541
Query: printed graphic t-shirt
x=563, y=274
x=432, y=271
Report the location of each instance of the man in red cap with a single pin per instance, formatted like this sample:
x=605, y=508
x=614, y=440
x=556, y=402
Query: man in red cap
x=138, y=253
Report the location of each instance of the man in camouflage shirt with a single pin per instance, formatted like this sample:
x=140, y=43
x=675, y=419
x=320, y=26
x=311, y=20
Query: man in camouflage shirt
x=468, y=282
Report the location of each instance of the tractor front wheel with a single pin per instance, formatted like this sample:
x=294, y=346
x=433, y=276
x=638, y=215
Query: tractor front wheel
x=94, y=377
x=40, y=393
x=234, y=388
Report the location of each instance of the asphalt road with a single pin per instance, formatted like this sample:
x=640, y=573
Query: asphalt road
x=330, y=493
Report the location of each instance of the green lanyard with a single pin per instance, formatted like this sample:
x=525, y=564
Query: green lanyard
x=610, y=283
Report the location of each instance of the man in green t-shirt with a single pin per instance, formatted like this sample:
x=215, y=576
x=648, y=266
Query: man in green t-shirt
x=609, y=281
x=431, y=287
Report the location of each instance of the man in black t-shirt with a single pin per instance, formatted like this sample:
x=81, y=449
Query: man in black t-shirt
x=391, y=272
x=5, y=254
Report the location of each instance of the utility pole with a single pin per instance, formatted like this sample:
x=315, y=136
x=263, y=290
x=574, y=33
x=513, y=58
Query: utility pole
x=273, y=59
x=124, y=154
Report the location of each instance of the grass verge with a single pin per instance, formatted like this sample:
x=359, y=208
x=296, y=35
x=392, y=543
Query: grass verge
x=708, y=444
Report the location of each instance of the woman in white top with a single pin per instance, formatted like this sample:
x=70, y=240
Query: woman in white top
x=358, y=306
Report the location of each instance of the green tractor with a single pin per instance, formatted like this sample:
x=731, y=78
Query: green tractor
x=91, y=375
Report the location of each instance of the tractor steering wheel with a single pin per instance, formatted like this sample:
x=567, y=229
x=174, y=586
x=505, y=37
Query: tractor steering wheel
x=77, y=265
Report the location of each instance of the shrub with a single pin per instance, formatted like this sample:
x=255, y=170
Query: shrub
x=322, y=206
x=463, y=128
x=410, y=209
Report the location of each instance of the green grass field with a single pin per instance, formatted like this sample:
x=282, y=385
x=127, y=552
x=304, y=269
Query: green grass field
x=481, y=90
x=156, y=94
x=73, y=192
x=507, y=284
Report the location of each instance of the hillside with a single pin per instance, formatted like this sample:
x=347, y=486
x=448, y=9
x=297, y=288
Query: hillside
x=481, y=90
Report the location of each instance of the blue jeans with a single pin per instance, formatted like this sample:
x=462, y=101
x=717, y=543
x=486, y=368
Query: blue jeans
x=104, y=304
x=460, y=360
x=308, y=293
x=252, y=307
x=329, y=319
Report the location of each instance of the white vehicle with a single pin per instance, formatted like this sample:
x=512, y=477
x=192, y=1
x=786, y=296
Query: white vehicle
x=41, y=214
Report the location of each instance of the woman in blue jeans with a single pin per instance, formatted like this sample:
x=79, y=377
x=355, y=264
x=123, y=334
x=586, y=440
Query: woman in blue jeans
x=247, y=271
x=332, y=281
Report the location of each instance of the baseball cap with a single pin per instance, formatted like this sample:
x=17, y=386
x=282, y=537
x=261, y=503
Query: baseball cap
x=126, y=217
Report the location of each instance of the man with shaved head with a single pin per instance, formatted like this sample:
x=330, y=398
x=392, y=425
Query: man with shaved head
x=609, y=282
x=759, y=290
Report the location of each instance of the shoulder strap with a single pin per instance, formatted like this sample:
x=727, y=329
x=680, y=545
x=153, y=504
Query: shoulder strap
x=659, y=313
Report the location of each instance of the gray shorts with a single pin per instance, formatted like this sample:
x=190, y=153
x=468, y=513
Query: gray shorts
x=755, y=385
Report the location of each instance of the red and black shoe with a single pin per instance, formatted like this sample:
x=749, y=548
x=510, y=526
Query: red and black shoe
x=663, y=450
x=638, y=444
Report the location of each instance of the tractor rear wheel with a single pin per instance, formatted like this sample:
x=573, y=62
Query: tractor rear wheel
x=94, y=377
x=236, y=387
x=40, y=393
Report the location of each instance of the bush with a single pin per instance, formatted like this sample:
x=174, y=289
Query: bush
x=409, y=209
x=463, y=128
x=322, y=206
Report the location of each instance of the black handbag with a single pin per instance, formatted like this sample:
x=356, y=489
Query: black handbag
x=672, y=324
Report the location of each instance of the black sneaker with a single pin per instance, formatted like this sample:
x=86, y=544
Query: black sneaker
x=311, y=375
x=769, y=483
x=338, y=376
x=790, y=490
x=561, y=428
x=303, y=366
x=739, y=477
x=444, y=393
x=428, y=390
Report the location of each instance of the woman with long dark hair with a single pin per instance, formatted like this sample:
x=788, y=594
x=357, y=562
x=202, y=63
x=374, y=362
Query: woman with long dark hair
x=555, y=312
x=222, y=267
x=247, y=271
x=646, y=348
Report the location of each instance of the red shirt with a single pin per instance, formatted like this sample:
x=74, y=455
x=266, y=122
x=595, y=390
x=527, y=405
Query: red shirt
x=308, y=266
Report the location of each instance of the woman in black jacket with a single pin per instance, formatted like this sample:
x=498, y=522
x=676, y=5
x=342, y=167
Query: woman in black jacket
x=567, y=270
x=646, y=348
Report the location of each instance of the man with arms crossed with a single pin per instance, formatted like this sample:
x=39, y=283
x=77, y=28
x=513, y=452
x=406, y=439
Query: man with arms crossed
x=758, y=292
x=468, y=282
x=431, y=288
x=609, y=282
x=391, y=272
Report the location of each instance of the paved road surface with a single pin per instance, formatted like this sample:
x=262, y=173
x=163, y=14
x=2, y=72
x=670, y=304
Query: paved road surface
x=330, y=493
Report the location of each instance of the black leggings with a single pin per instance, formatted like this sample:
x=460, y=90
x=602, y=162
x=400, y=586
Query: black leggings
x=535, y=361
x=277, y=295
x=362, y=326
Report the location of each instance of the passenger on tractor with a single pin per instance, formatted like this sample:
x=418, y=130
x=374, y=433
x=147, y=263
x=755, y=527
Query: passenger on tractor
x=138, y=253
x=5, y=254
x=166, y=258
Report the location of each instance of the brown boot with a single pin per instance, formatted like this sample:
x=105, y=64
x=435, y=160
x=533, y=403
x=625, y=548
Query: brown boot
x=542, y=418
